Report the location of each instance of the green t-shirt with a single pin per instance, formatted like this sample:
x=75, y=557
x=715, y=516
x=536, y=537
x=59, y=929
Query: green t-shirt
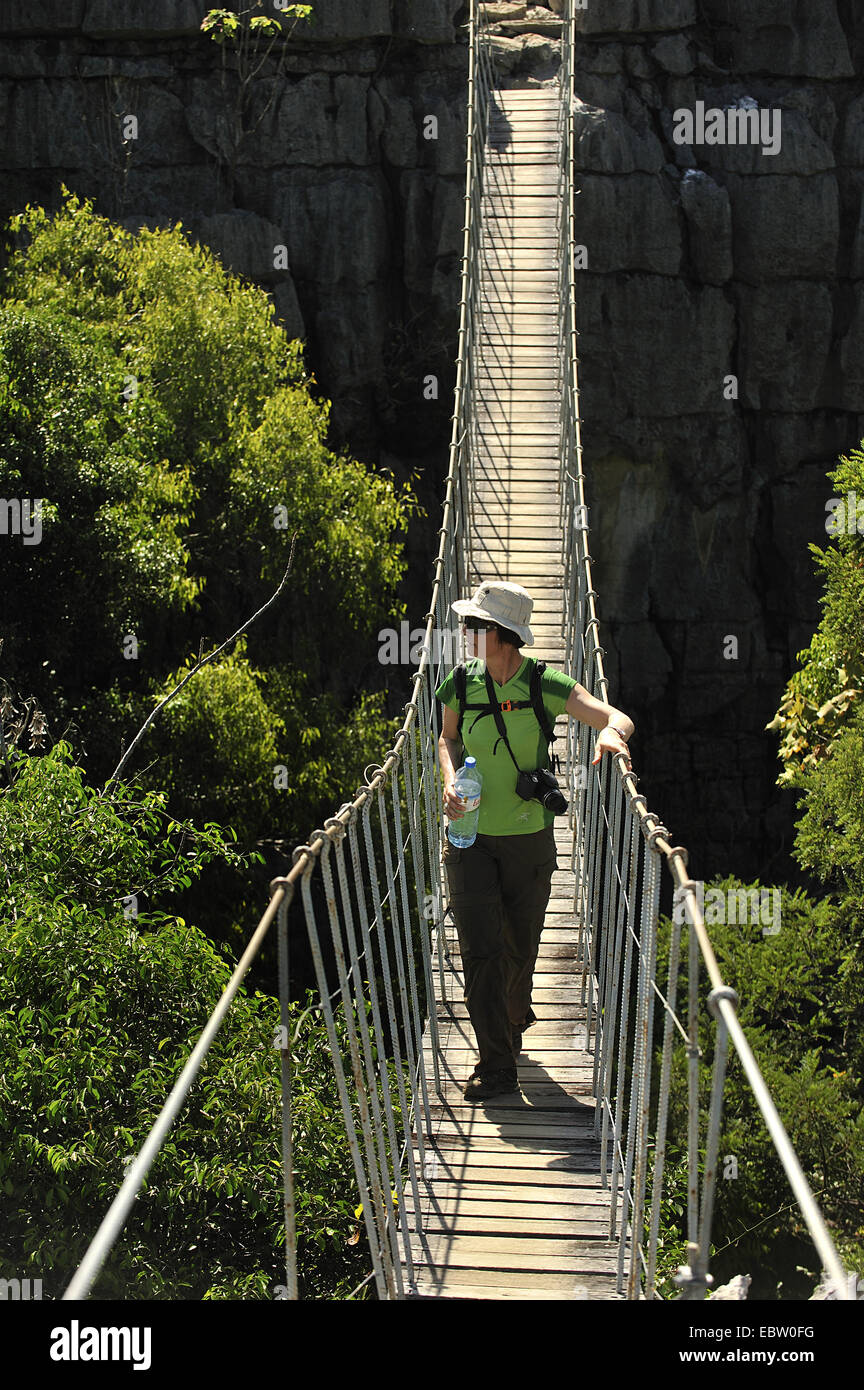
x=502, y=810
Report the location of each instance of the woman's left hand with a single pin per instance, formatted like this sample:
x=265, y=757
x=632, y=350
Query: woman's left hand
x=608, y=741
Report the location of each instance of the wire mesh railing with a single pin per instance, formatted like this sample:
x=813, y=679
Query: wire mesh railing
x=369, y=885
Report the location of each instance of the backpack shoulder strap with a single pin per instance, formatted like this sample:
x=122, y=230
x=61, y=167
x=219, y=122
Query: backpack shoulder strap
x=537, y=701
x=460, y=685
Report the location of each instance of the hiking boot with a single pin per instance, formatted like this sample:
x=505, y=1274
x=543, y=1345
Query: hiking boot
x=481, y=1086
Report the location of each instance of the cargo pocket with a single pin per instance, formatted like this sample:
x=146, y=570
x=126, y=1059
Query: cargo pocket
x=451, y=853
x=454, y=869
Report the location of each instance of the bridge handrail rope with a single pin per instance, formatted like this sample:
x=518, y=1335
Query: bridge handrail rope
x=384, y=1090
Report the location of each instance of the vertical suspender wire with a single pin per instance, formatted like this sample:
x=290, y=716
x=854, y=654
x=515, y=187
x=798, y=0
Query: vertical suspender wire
x=692, y=1084
x=581, y=847
x=407, y=1031
x=366, y=937
x=606, y=1005
x=592, y=923
x=374, y=1161
x=627, y=1222
x=412, y=800
x=597, y=774
x=641, y=1047
x=606, y=942
x=584, y=857
x=603, y=1094
x=467, y=279
x=623, y=1033
x=600, y=933
x=648, y=950
x=592, y=783
x=432, y=800
x=663, y=1105
x=582, y=740
x=416, y=1017
x=289, y=1205
x=561, y=231
x=382, y=1168
x=383, y=1283
x=384, y=954
x=713, y=1137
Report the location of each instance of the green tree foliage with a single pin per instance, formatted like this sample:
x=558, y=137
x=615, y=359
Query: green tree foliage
x=154, y=404
x=98, y=1013
x=802, y=990
x=803, y=1030
x=823, y=694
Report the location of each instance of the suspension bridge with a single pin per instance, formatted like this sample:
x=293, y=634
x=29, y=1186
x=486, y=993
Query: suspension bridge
x=545, y=1194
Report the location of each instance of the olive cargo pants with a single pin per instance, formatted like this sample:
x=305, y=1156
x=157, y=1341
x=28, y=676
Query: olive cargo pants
x=499, y=890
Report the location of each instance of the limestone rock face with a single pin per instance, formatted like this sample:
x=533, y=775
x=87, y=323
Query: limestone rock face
x=606, y=142
x=129, y=19
x=709, y=225
x=252, y=246
x=792, y=37
x=635, y=16
x=43, y=17
x=632, y=223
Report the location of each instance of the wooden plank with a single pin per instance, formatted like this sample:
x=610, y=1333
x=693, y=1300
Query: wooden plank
x=538, y=1203
x=491, y=407
x=497, y=1252
x=534, y=518
x=536, y=1169
x=493, y=1223
x=538, y=200
x=540, y=1138
x=504, y=134
x=533, y=221
x=523, y=184
x=520, y=127
x=530, y=168
x=522, y=384
x=481, y=1284
x=538, y=140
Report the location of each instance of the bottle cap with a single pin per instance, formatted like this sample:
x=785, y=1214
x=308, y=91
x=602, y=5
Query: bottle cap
x=470, y=762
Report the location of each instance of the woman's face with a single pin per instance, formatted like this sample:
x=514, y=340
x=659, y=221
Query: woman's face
x=477, y=638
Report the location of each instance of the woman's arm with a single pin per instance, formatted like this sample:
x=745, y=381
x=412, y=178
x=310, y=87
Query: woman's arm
x=616, y=727
x=449, y=749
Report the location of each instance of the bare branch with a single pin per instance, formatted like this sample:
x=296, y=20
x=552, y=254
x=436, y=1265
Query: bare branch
x=201, y=662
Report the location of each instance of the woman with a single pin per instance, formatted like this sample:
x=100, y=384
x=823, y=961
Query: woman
x=499, y=886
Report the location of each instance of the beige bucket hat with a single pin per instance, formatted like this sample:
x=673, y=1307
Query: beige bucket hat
x=507, y=604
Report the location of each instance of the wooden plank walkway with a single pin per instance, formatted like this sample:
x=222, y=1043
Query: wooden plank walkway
x=512, y=1203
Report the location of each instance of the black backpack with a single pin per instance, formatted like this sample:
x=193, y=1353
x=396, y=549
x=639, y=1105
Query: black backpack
x=498, y=707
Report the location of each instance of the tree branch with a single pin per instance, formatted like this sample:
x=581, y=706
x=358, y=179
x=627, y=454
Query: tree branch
x=201, y=662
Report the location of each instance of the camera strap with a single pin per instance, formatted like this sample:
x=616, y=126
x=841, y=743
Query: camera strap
x=499, y=720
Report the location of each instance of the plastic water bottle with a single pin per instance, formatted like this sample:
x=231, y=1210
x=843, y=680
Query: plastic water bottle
x=468, y=783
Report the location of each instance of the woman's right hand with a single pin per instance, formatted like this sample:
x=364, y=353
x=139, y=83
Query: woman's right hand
x=454, y=805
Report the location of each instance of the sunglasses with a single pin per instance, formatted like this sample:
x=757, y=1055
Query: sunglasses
x=475, y=625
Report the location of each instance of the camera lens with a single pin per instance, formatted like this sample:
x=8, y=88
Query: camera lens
x=555, y=802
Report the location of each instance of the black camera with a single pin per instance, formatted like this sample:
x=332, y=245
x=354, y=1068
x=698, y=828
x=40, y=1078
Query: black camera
x=541, y=786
